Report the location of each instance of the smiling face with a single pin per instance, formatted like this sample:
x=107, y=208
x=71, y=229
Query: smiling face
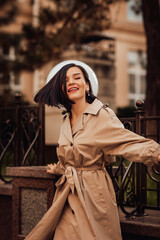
x=76, y=85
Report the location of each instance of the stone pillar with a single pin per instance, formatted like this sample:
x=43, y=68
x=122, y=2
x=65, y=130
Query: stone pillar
x=5, y=211
x=33, y=191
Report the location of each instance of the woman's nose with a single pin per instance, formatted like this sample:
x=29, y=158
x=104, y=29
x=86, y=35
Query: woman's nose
x=70, y=81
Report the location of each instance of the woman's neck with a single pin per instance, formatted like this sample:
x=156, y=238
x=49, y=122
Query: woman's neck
x=77, y=109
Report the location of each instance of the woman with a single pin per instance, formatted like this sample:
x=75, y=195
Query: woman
x=84, y=206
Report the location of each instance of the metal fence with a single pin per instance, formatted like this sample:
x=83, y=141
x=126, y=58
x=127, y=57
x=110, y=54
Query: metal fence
x=22, y=144
x=21, y=136
x=136, y=186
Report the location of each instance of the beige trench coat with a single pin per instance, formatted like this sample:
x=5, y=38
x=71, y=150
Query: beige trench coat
x=84, y=205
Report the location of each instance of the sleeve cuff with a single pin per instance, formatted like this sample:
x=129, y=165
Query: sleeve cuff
x=155, y=155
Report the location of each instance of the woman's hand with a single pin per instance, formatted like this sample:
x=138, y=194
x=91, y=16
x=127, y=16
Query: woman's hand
x=159, y=158
x=51, y=168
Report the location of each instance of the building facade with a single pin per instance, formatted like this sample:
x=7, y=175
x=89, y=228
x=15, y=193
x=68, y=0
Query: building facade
x=117, y=55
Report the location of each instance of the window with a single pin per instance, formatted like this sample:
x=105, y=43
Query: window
x=8, y=52
x=136, y=76
x=134, y=12
x=8, y=79
x=15, y=82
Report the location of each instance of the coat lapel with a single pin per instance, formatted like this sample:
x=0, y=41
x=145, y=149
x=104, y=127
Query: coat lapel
x=91, y=109
x=67, y=131
x=79, y=125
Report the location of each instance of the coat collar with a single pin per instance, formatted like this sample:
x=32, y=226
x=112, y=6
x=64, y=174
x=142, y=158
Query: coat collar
x=92, y=109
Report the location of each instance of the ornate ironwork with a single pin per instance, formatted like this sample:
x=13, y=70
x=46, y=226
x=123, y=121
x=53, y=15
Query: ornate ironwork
x=21, y=136
x=7, y=132
x=134, y=181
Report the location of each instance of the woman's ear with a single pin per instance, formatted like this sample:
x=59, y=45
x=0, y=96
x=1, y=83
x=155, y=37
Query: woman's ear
x=87, y=87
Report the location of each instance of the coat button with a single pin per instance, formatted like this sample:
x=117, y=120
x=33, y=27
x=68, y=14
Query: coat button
x=71, y=144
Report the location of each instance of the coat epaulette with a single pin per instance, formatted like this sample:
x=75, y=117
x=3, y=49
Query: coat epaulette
x=105, y=105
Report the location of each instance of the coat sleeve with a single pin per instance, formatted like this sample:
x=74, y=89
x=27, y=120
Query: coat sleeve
x=113, y=139
x=58, y=169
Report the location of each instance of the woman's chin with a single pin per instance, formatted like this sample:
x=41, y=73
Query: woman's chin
x=76, y=98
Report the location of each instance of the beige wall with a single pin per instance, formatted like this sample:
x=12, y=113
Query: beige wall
x=129, y=36
x=122, y=81
x=53, y=122
x=27, y=85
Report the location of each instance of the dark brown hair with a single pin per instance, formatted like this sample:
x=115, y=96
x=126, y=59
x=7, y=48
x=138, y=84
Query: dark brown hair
x=52, y=93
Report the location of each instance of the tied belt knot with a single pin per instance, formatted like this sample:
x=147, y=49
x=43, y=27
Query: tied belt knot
x=67, y=176
x=70, y=177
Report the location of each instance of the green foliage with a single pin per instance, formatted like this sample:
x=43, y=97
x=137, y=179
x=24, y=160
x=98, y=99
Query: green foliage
x=9, y=14
x=60, y=25
x=152, y=194
x=47, y=16
x=137, y=6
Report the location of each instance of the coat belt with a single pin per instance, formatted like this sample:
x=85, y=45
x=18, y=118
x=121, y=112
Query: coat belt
x=70, y=176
